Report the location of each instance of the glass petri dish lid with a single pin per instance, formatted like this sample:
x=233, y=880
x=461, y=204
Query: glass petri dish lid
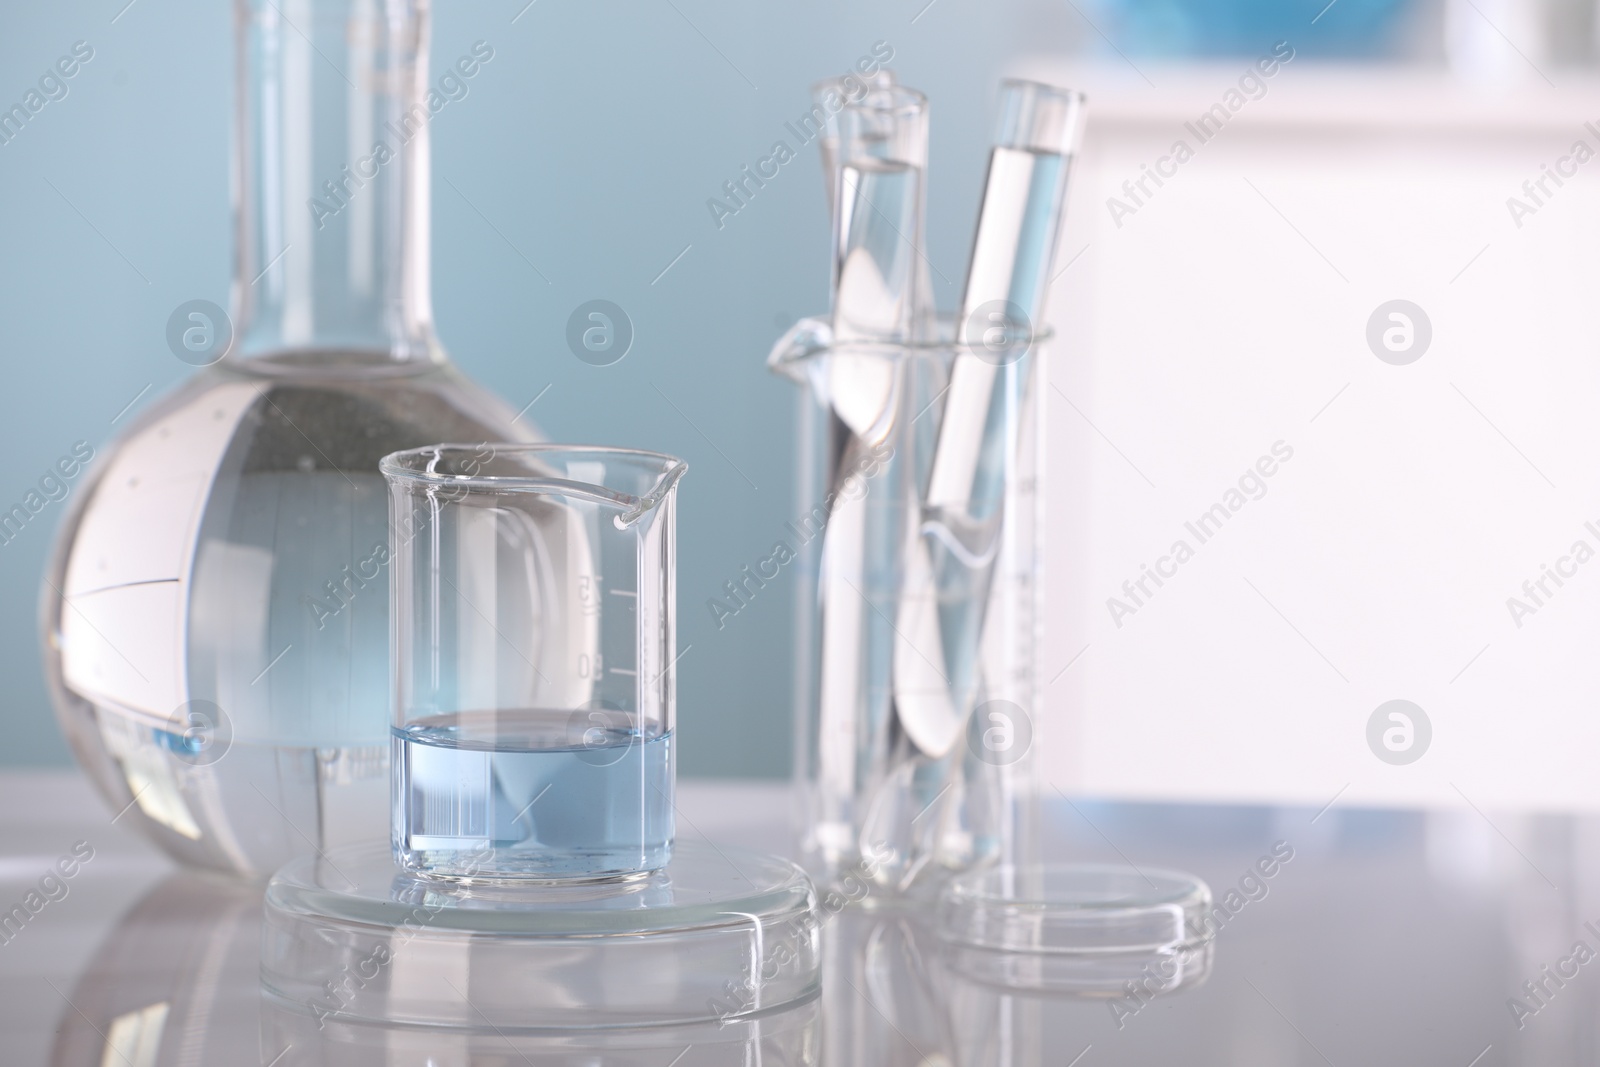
x=719, y=934
x=1081, y=928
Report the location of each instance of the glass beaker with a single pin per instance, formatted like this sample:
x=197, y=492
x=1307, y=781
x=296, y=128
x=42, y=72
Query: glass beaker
x=533, y=636
x=886, y=794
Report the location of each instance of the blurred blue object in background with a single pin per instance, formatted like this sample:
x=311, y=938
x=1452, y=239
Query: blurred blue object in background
x=1199, y=28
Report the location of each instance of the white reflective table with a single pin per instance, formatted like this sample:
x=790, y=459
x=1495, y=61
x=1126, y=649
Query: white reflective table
x=1346, y=937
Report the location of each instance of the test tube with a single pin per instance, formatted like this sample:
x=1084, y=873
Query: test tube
x=880, y=309
x=883, y=158
x=533, y=645
x=950, y=568
x=1009, y=274
x=827, y=99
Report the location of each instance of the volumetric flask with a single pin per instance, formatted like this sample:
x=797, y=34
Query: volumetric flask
x=533, y=637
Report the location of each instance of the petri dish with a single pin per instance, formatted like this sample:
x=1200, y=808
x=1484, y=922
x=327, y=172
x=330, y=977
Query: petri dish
x=1077, y=928
x=785, y=1036
x=719, y=934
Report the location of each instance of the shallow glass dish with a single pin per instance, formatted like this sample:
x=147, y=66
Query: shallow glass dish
x=718, y=934
x=1077, y=927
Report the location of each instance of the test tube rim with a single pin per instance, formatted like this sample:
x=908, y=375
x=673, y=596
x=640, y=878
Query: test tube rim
x=902, y=100
x=1016, y=131
x=1076, y=96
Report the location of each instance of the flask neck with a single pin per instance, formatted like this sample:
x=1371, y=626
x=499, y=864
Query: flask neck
x=331, y=193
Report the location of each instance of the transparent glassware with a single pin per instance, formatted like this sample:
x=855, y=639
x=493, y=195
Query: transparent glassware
x=214, y=614
x=787, y=1037
x=920, y=468
x=885, y=793
x=534, y=660
x=829, y=97
x=1024, y=954
x=719, y=935
x=880, y=287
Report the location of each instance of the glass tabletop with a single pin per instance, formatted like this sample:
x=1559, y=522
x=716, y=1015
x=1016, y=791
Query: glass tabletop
x=1342, y=936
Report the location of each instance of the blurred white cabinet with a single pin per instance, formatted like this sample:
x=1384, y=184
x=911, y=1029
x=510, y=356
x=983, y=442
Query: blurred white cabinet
x=1227, y=317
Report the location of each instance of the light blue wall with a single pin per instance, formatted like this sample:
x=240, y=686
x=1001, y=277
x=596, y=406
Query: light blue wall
x=592, y=141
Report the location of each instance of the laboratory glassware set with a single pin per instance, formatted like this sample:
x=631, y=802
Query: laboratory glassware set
x=921, y=444
x=328, y=584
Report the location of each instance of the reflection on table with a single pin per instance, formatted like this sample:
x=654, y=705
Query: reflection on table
x=1385, y=938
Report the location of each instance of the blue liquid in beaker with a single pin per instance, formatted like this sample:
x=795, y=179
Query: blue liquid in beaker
x=531, y=793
